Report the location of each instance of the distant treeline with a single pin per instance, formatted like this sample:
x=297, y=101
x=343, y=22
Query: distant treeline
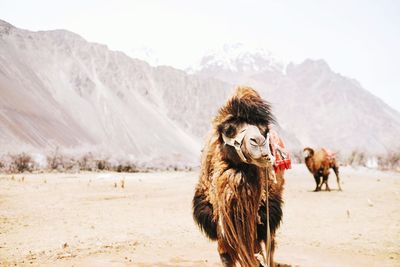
x=25, y=162
x=390, y=161
x=57, y=162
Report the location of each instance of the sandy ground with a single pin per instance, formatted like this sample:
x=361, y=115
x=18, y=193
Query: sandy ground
x=88, y=219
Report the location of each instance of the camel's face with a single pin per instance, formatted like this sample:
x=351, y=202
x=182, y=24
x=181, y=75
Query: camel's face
x=250, y=142
x=306, y=153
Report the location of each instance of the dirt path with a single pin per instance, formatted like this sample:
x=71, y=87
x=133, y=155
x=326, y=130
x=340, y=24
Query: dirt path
x=90, y=220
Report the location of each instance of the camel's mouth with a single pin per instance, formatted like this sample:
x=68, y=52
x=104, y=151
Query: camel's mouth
x=264, y=161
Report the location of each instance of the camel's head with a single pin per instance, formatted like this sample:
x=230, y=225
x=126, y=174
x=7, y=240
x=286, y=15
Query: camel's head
x=242, y=126
x=308, y=152
x=248, y=143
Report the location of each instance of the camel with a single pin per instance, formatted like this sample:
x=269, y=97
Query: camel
x=241, y=181
x=319, y=163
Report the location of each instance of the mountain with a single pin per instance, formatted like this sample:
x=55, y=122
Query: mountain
x=319, y=107
x=58, y=90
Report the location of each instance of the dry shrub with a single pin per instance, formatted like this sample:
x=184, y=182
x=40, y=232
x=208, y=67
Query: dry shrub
x=87, y=163
x=388, y=161
x=61, y=163
x=21, y=163
x=7, y=164
x=126, y=167
x=55, y=162
x=103, y=165
x=357, y=158
x=391, y=161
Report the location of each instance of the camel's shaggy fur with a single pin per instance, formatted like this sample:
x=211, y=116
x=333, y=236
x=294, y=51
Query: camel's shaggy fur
x=319, y=163
x=229, y=200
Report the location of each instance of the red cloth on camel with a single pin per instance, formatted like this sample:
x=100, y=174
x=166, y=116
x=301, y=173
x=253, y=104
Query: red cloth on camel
x=329, y=154
x=282, y=156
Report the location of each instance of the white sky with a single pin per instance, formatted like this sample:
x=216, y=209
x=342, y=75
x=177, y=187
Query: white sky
x=359, y=39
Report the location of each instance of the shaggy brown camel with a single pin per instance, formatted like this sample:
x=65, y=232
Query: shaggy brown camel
x=319, y=163
x=239, y=190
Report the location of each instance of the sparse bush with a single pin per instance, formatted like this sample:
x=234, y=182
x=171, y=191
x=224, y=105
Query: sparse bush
x=22, y=162
x=351, y=158
x=103, y=164
x=54, y=160
x=394, y=160
x=70, y=164
x=61, y=163
x=87, y=163
x=357, y=158
x=126, y=167
x=391, y=161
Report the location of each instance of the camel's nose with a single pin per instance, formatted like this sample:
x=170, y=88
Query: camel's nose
x=264, y=153
x=258, y=140
x=255, y=138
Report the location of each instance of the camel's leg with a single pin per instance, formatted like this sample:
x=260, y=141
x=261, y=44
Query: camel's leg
x=263, y=253
x=317, y=178
x=226, y=257
x=325, y=181
x=271, y=259
x=336, y=170
x=274, y=220
x=226, y=260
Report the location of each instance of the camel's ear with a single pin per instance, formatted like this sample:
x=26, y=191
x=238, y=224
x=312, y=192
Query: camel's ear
x=308, y=152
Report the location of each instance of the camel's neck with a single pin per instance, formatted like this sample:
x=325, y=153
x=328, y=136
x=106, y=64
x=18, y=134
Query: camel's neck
x=250, y=173
x=309, y=163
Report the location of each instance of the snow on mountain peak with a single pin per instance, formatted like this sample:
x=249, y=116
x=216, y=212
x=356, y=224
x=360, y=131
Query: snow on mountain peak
x=238, y=57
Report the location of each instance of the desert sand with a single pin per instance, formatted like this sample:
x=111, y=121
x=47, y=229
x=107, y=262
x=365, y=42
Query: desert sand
x=144, y=219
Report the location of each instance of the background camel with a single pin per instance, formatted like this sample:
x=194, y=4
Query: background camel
x=235, y=183
x=319, y=163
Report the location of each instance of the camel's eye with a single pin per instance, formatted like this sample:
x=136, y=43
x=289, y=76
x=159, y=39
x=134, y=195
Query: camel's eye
x=230, y=130
x=253, y=142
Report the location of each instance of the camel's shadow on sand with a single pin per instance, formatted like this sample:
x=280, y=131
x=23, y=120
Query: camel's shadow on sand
x=325, y=191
